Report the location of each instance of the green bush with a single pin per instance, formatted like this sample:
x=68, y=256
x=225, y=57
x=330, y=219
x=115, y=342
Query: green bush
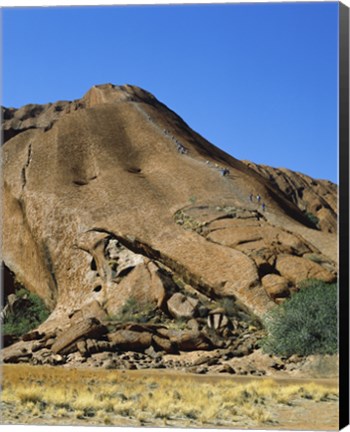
x=306, y=323
x=313, y=219
x=134, y=311
x=28, y=312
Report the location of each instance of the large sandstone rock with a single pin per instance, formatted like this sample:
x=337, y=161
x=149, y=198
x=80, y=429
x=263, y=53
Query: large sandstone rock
x=91, y=190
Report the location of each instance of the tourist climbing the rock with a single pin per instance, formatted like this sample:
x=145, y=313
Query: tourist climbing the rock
x=180, y=148
x=224, y=171
x=251, y=197
x=258, y=198
x=263, y=206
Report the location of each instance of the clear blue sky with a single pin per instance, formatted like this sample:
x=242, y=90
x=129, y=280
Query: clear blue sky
x=259, y=81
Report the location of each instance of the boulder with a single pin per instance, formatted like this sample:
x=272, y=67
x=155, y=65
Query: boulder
x=142, y=283
x=181, y=306
x=127, y=340
x=186, y=340
x=193, y=325
x=96, y=346
x=164, y=344
x=84, y=329
x=82, y=348
x=297, y=269
x=276, y=286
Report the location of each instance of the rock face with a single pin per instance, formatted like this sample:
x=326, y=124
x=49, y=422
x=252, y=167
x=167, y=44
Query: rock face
x=315, y=197
x=113, y=197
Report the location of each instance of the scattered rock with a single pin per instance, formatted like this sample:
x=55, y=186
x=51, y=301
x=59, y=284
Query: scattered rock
x=82, y=348
x=193, y=325
x=181, y=306
x=127, y=340
x=57, y=359
x=83, y=329
x=151, y=352
x=191, y=341
x=202, y=369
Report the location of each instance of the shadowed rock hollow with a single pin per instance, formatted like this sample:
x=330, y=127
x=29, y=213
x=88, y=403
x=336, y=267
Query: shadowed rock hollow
x=113, y=197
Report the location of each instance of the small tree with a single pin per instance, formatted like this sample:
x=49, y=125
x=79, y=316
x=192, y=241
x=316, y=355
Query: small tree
x=306, y=323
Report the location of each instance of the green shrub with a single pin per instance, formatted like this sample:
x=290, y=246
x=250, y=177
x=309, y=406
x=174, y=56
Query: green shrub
x=28, y=312
x=134, y=311
x=306, y=323
x=313, y=219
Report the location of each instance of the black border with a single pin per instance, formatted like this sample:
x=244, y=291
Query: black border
x=343, y=215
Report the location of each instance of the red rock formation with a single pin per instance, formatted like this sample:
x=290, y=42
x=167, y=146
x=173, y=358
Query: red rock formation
x=113, y=196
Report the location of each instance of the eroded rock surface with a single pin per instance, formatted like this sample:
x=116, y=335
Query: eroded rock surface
x=113, y=198
x=315, y=197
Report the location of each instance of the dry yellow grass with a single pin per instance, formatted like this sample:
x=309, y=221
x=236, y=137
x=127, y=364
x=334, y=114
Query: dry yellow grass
x=107, y=396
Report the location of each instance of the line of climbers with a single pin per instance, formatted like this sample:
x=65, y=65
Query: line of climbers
x=258, y=200
x=223, y=170
x=179, y=146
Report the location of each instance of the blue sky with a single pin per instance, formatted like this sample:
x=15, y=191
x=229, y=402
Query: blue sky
x=257, y=80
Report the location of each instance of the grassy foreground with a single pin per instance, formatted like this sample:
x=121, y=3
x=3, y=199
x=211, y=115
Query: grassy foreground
x=55, y=395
